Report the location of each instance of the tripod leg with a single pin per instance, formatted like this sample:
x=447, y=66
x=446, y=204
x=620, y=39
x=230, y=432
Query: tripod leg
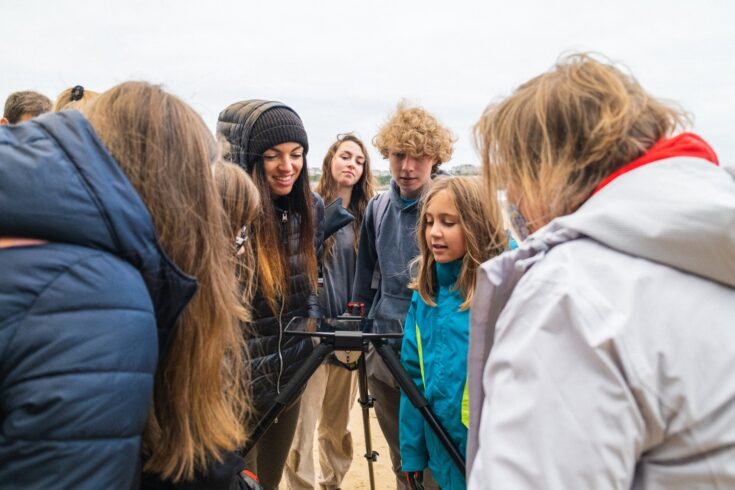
x=417, y=400
x=366, y=401
x=289, y=393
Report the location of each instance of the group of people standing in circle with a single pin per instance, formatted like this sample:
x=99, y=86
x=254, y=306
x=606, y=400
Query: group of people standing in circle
x=150, y=268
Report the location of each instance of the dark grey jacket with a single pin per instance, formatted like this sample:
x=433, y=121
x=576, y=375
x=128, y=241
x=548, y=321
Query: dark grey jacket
x=339, y=273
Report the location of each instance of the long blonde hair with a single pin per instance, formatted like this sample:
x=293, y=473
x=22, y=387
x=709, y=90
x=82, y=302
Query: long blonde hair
x=561, y=133
x=362, y=191
x=241, y=202
x=199, y=399
x=481, y=224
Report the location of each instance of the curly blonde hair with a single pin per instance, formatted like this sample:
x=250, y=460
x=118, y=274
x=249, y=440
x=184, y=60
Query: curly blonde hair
x=416, y=132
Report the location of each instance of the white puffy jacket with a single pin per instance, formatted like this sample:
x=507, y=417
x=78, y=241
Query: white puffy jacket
x=603, y=350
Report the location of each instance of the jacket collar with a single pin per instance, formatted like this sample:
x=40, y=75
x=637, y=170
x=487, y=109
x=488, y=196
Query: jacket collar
x=447, y=274
x=683, y=145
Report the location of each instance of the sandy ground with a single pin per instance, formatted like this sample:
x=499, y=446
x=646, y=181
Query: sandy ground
x=357, y=477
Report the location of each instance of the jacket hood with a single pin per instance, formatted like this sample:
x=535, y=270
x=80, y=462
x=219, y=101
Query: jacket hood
x=253, y=126
x=59, y=183
x=678, y=211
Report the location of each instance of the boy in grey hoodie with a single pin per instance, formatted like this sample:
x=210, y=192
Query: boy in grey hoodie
x=415, y=144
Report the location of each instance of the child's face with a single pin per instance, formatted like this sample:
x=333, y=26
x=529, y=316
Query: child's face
x=411, y=173
x=348, y=164
x=444, y=235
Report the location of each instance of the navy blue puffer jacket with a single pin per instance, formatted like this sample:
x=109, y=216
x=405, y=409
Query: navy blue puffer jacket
x=82, y=315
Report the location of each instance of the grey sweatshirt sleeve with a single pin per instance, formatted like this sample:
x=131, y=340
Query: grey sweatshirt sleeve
x=367, y=257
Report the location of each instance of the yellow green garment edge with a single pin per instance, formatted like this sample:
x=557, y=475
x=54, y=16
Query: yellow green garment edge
x=465, y=393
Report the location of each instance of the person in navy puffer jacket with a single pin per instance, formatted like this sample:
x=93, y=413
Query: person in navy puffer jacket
x=89, y=300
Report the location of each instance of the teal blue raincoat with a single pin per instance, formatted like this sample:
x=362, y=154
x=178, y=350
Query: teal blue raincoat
x=434, y=354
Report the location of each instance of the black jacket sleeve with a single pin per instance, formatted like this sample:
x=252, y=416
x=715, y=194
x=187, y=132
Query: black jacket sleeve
x=221, y=475
x=314, y=309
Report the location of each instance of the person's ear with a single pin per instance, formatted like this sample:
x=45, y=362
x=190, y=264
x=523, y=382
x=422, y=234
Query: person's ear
x=4, y=121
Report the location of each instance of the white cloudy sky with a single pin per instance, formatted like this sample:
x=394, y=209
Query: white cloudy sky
x=343, y=65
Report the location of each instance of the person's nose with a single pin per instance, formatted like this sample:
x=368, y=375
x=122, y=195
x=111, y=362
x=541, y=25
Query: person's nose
x=285, y=165
x=408, y=164
x=435, y=231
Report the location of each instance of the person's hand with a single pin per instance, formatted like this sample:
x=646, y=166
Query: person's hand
x=249, y=481
x=414, y=479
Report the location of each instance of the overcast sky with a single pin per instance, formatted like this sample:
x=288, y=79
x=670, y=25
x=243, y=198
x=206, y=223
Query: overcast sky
x=343, y=65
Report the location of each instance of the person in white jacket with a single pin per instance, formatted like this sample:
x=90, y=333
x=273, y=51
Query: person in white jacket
x=602, y=351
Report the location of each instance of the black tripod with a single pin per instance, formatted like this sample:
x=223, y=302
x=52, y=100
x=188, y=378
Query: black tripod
x=353, y=333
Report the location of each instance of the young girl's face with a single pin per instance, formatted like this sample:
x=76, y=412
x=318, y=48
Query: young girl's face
x=282, y=165
x=444, y=235
x=348, y=164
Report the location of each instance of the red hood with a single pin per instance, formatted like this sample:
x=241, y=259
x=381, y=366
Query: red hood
x=683, y=145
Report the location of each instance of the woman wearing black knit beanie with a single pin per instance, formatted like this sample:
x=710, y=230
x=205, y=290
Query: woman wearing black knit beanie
x=269, y=141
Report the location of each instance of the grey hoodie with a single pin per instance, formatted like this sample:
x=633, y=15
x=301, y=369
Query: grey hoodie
x=392, y=249
x=602, y=351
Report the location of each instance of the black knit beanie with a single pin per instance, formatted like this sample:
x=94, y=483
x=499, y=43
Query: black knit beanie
x=253, y=126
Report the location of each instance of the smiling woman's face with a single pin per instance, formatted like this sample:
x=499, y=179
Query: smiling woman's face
x=282, y=165
x=348, y=164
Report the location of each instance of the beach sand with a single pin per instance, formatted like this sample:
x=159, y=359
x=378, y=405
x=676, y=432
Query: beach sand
x=357, y=477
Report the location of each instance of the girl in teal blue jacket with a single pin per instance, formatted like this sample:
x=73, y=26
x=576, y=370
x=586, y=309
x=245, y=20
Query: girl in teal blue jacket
x=454, y=229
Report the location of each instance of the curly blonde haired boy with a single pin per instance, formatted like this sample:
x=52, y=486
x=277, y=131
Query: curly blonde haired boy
x=415, y=143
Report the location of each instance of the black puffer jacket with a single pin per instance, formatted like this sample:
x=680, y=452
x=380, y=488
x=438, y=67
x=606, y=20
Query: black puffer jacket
x=275, y=357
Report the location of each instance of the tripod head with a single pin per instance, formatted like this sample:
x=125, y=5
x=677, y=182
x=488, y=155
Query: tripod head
x=345, y=333
x=348, y=335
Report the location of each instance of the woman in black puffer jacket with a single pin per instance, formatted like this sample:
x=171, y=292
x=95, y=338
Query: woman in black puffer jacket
x=268, y=140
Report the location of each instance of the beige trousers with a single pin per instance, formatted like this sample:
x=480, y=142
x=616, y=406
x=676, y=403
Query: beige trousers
x=327, y=401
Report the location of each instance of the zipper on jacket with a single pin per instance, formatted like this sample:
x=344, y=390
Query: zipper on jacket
x=280, y=354
x=284, y=220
